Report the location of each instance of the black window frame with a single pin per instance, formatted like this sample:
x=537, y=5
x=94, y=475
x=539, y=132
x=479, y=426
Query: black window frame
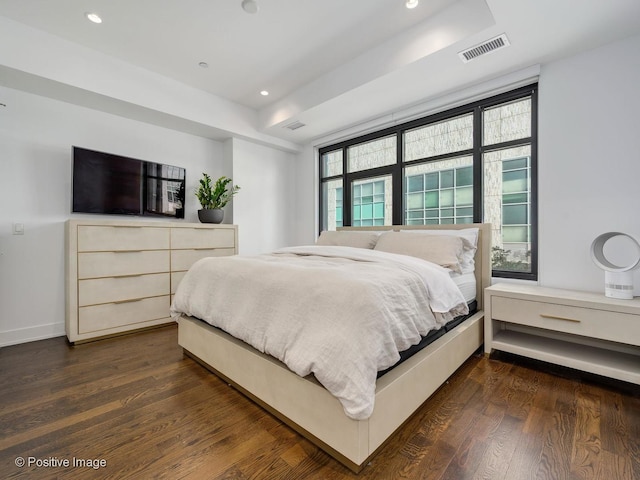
x=476, y=152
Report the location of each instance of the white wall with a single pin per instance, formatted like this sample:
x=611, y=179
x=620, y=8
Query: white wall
x=589, y=160
x=264, y=209
x=36, y=135
x=307, y=196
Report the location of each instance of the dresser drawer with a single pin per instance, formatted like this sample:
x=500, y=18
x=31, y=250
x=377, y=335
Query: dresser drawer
x=116, y=289
x=183, y=259
x=589, y=322
x=176, y=278
x=131, y=313
x=203, y=238
x=109, y=264
x=94, y=238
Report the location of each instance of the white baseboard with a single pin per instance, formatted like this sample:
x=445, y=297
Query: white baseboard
x=31, y=334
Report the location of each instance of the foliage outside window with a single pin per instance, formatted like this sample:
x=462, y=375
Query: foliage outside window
x=475, y=163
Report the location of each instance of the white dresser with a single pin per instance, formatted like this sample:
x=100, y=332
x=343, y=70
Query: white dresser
x=581, y=330
x=121, y=275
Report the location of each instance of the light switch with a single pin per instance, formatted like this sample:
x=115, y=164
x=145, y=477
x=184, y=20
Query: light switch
x=18, y=228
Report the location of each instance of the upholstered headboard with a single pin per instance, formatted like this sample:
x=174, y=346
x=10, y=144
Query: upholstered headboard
x=482, y=256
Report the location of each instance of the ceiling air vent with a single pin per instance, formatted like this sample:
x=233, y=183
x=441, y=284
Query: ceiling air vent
x=491, y=45
x=295, y=125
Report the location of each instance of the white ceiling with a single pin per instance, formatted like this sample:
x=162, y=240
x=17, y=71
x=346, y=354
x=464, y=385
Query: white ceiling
x=282, y=47
x=329, y=63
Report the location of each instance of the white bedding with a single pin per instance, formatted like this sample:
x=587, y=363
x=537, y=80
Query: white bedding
x=341, y=313
x=466, y=282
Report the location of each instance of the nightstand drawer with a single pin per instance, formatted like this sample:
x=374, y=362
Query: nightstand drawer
x=113, y=264
x=588, y=322
x=117, y=289
x=94, y=238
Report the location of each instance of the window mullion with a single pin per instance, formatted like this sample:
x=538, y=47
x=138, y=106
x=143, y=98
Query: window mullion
x=504, y=145
x=346, y=190
x=397, y=182
x=534, y=183
x=478, y=172
x=436, y=158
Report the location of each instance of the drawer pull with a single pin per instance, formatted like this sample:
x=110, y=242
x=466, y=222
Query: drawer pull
x=128, y=276
x=128, y=251
x=205, y=248
x=128, y=301
x=555, y=317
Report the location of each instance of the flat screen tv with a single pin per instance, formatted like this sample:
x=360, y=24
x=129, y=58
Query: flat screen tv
x=105, y=183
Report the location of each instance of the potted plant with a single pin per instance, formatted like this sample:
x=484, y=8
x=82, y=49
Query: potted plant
x=214, y=197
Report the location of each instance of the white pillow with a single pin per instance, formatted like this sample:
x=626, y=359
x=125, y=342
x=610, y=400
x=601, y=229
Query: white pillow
x=444, y=250
x=346, y=238
x=470, y=243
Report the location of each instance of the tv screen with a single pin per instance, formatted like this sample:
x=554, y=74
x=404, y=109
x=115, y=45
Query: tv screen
x=105, y=183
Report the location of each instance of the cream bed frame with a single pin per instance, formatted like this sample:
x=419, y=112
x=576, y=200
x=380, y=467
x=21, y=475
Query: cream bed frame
x=304, y=405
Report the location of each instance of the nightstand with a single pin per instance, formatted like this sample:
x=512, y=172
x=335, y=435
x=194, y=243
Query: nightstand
x=581, y=330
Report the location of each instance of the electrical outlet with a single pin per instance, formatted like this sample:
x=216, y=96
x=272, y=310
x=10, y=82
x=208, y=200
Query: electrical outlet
x=18, y=228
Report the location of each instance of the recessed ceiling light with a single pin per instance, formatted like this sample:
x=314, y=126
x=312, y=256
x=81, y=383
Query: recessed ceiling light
x=411, y=3
x=264, y=93
x=203, y=65
x=93, y=17
x=250, y=6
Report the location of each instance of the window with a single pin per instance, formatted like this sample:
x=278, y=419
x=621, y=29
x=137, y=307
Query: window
x=439, y=138
x=371, y=206
x=332, y=214
x=512, y=249
x=439, y=192
x=475, y=163
x=338, y=207
x=368, y=155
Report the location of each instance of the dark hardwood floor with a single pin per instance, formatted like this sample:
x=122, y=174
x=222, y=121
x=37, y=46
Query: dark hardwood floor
x=137, y=404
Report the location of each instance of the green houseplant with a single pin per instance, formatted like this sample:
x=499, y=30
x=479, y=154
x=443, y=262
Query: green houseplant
x=214, y=197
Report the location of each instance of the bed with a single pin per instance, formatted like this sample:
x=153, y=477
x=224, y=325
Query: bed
x=306, y=405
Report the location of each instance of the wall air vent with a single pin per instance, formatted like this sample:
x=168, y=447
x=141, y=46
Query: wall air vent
x=295, y=125
x=491, y=45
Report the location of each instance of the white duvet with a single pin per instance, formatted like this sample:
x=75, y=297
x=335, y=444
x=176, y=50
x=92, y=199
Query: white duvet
x=339, y=313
